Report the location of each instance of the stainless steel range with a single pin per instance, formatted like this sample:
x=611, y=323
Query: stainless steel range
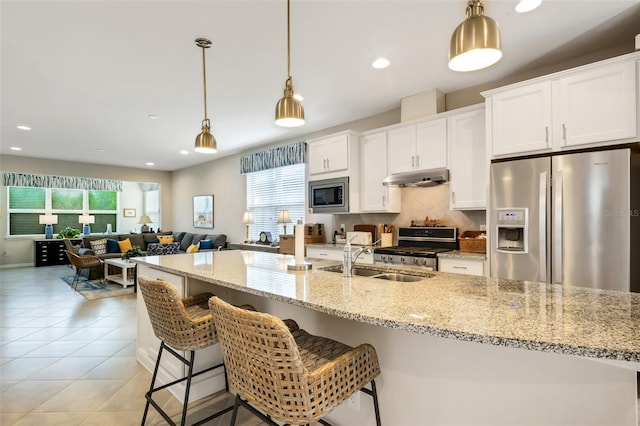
x=418, y=246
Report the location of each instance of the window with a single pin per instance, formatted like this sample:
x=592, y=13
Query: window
x=26, y=204
x=152, y=206
x=272, y=190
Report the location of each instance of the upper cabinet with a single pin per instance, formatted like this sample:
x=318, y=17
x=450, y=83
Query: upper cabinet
x=330, y=154
x=467, y=163
x=419, y=146
x=593, y=104
x=375, y=196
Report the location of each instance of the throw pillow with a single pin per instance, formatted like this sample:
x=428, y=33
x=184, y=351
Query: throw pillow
x=193, y=248
x=153, y=241
x=112, y=246
x=206, y=244
x=165, y=239
x=124, y=245
x=99, y=246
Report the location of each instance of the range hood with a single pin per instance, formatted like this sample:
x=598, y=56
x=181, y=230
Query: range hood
x=419, y=178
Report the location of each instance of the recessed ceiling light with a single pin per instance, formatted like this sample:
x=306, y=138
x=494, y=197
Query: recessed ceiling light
x=527, y=5
x=153, y=116
x=298, y=97
x=101, y=150
x=184, y=152
x=150, y=163
x=380, y=63
x=24, y=127
x=16, y=148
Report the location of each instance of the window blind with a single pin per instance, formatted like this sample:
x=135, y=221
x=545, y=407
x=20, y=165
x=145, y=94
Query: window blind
x=272, y=190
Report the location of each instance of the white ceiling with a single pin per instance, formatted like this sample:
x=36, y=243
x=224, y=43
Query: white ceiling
x=85, y=75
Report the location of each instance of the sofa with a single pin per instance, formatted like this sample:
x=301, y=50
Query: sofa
x=181, y=242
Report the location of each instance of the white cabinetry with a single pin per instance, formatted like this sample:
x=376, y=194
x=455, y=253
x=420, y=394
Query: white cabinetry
x=331, y=252
x=419, y=146
x=461, y=266
x=593, y=104
x=330, y=154
x=375, y=196
x=467, y=161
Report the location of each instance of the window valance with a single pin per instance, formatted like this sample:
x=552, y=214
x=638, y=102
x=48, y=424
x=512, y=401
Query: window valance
x=65, y=182
x=277, y=157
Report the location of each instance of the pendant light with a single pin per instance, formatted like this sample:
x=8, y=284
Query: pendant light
x=475, y=44
x=205, y=142
x=289, y=111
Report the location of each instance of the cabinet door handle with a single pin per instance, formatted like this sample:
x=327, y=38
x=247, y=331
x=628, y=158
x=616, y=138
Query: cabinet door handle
x=564, y=133
x=453, y=197
x=459, y=267
x=328, y=166
x=413, y=161
x=384, y=201
x=546, y=134
x=417, y=161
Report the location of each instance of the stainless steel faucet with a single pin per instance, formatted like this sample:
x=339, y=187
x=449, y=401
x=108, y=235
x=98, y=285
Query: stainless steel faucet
x=349, y=257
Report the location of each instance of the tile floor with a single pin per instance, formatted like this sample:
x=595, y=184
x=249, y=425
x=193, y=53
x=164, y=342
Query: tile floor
x=69, y=361
x=65, y=360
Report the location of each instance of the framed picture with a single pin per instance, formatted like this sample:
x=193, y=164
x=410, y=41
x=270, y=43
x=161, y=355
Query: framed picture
x=129, y=212
x=203, y=211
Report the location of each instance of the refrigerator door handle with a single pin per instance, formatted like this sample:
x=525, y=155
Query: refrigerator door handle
x=557, y=231
x=542, y=226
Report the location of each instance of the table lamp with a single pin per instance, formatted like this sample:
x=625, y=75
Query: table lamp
x=247, y=219
x=48, y=220
x=144, y=219
x=85, y=220
x=283, y=217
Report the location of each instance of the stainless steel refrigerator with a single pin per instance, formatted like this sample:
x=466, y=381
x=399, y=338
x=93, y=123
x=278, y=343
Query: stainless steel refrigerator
x=571, y=219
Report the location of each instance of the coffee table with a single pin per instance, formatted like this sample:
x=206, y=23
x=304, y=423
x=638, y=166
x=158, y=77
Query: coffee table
x=123, y=277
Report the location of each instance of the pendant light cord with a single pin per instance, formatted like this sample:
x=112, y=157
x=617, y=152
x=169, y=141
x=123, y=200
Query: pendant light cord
x=204, y=82
x=288, y=41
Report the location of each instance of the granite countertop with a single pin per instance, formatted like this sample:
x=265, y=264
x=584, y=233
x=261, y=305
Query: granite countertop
x=457, y=254
x=518, y=314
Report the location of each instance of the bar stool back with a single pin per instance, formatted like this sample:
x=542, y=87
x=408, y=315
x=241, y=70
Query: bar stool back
x=181, y=324
x=286, y=373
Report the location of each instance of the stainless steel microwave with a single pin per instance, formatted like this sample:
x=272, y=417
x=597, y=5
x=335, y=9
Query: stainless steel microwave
x=329, y=195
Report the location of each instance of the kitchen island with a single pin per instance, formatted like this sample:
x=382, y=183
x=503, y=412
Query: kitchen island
x=453, y=349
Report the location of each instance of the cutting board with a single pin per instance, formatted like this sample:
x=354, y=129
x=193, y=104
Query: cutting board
x=367, y=228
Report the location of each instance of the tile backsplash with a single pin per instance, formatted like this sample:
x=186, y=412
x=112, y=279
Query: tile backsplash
x=417, y=203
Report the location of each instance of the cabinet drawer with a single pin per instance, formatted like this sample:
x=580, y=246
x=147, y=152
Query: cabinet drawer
x=461, y=266
x=324, y=253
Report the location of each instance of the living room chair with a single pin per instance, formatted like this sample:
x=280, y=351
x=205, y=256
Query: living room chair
x=181, y=324
x=282, y=373
x=86, y=261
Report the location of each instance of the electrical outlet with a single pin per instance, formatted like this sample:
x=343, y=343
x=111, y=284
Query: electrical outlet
x=354, y=401
x=483, y=227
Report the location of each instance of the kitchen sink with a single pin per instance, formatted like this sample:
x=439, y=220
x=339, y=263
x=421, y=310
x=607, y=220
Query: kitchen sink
x=406, y=278
x=375, y=273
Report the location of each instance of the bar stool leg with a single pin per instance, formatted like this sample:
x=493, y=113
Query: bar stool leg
x=188, y=388
x=153, y=382
x=375, y=402
x=236, y=404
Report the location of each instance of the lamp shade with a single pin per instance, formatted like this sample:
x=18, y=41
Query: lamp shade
x=144, y=219
x=283, y=217
x=86, y=219
x=48, y=219
x=289, y=111
x=205, y=142
x=475, y=44
x=247, y=217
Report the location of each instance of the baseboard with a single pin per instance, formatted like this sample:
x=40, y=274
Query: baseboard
x=16, y=265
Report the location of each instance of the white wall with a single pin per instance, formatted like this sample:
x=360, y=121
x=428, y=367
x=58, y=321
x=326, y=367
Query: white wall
x=20, y=250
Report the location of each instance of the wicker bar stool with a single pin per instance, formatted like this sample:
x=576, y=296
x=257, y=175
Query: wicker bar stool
x=282, y=373
x=181, y=324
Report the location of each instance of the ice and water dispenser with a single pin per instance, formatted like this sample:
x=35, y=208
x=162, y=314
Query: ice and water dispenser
x=512, y=228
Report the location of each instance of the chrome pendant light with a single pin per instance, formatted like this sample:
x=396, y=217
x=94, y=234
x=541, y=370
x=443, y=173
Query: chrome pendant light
x=289, y=111
x=205, y=142
x=475, y=44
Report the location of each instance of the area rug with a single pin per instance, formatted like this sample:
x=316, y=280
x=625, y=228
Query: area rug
x=96, y=289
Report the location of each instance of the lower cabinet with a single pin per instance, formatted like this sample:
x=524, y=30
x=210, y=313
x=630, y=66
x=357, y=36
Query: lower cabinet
x=461, y=266
x=50, y=252
x=336, y=253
